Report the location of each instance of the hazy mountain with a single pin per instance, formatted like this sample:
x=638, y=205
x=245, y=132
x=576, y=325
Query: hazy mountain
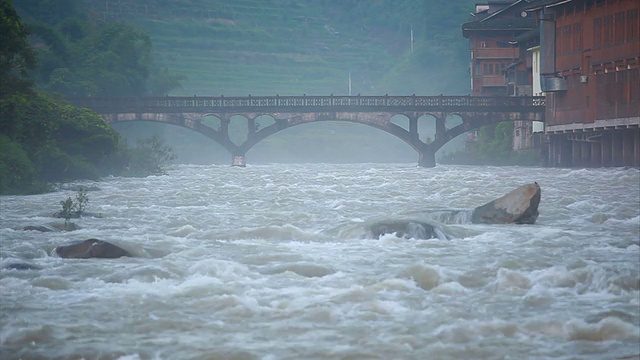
x=289, y=47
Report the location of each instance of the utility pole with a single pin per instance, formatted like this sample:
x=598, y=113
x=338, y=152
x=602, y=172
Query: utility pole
x=412, y=39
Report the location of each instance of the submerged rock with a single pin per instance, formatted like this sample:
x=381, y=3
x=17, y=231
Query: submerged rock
x=40, y=228
x=90, y=248
x=21, y=266
x=66, y=226
x=78, y=187
x=520, y=206
x=408, y=229
x=58, y=214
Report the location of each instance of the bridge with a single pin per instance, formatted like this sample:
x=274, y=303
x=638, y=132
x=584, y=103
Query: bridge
x=288, y=111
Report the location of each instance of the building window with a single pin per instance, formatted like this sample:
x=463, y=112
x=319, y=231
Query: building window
x=577, y=37
x=567, y=39
x=607, y=27
x=597, y=32
x=634, y=85
x=619, y=27
x=632, y=24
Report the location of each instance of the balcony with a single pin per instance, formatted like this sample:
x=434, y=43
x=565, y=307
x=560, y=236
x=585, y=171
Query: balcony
x=490, y=80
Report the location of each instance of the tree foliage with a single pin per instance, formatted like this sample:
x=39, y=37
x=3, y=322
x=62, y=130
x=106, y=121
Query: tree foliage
x=80, y=56
x=149, y=157
x=16, y=55
x=109, y=60
x=62, y=142
x=492, y=147
x=17, y=173
x=44, y=139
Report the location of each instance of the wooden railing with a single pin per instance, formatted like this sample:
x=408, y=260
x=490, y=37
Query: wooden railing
x=202, y=104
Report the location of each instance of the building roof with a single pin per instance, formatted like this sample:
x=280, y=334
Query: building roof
x=528, y=35
x=505, y=18
x=533, y=5
x=501, y=24
x=497, y=13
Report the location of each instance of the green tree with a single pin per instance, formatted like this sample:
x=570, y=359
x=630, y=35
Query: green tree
x=43, y=139
x=61, y=142
x=493, y=147
x=18, y=174
x=16, y=55
x=163, y=80
x=50, y=11
x=118, y=60
x=150, y=157
x=495, y=141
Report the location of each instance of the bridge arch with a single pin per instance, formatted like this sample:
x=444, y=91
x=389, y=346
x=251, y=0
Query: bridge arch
x=331, y=141
x=385, y=126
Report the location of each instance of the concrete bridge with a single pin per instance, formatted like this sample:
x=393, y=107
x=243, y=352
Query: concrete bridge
x=288, y=111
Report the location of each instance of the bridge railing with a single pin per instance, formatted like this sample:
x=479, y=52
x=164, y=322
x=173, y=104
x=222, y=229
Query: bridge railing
x=310, y=103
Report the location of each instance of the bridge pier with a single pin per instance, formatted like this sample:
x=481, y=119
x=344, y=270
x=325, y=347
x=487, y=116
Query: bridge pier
x=427, y=159
x=238, y=160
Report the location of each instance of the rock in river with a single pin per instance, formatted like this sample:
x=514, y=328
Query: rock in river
x=520, y=206
x=408, y=229
x=91, y=248
x=21, y=266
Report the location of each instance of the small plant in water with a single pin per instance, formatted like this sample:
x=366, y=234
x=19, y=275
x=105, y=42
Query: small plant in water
x=82, y=200
x=74, y=209
x=67, y=210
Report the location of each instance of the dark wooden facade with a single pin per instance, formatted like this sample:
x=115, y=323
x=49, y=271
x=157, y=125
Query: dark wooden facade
x=498, y=67
x=593, y=119
x=500, y=64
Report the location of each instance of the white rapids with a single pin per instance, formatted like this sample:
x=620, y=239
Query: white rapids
x=270, y=262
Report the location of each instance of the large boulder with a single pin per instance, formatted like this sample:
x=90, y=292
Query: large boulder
x=520, y=206
x=91, y=248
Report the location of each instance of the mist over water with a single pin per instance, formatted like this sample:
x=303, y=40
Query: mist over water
x=270, y=262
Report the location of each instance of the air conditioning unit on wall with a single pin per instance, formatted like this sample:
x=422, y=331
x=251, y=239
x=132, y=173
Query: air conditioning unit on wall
x=553, y=84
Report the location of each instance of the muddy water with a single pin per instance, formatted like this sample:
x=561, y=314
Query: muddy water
x=270, y=262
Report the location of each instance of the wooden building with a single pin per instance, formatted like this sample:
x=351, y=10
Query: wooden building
x=491, y=33
x=590, y=74
x=500, y=64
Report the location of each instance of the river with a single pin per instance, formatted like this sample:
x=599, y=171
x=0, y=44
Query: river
x=269, y=262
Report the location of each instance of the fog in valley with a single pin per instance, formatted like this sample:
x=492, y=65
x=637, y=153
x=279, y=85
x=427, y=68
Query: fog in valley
x=302, y=47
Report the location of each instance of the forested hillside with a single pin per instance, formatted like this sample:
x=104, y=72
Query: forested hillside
x=43, y=139
x=264, y=47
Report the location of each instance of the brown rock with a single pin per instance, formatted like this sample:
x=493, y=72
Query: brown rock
x=91, y=248
x=520, y=206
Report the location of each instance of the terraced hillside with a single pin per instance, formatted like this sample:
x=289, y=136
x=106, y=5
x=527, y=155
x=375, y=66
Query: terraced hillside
x=264, y=47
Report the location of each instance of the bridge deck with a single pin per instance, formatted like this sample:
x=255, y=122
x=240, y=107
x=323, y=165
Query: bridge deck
x=204, y=104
